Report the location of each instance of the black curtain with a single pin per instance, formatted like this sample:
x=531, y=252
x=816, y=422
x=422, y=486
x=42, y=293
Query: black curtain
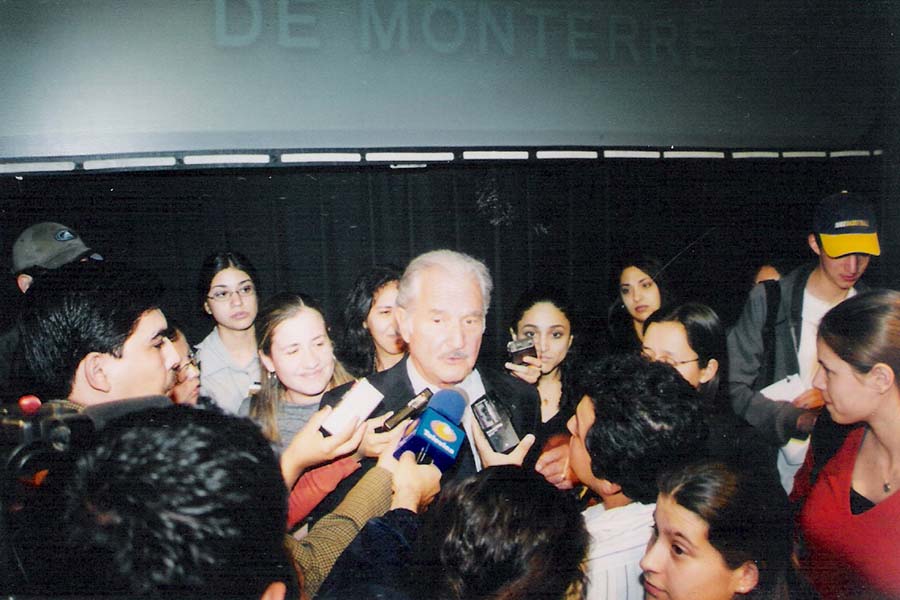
x=316, y=229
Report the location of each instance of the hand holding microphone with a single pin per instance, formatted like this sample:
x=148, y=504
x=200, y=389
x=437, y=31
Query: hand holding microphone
x=492, y=458
x=310, y=447
x=413, y=485
x=376, y=439
x=436, y=437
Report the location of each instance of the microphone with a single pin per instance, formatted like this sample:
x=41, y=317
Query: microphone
x=357, y=404
x=435, y=438
x=412, y=410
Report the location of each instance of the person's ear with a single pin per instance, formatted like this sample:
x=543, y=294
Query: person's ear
x=881, y=377
x=275, y=591
x=267, y=362
x=206, y=307
x=95, y=371
x=813, y=244
x=404, y=322
x=24, y=282
x=571, y=339
x=745, y=577
x=709, y=371
x=512, y=334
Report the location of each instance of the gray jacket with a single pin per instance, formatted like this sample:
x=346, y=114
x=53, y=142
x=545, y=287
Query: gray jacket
x=776, y=421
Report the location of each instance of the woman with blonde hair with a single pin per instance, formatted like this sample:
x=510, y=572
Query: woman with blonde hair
x=298, y=363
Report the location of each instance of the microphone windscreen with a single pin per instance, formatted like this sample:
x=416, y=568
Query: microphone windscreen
x=450, y=404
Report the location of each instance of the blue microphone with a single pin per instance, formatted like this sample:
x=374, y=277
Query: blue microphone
x=436, y=437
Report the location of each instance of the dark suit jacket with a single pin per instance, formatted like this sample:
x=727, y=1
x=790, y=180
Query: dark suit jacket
x=519, y=398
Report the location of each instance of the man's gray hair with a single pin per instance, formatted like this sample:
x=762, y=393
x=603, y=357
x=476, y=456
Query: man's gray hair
x=454, y=263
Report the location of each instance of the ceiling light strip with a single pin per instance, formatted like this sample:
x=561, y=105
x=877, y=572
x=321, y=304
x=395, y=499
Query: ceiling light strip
x=226, y=159
x=567, y=154
x=37, y=167
x=321, y=157
x=631, y=154
x=130, y=163
x=495, y=155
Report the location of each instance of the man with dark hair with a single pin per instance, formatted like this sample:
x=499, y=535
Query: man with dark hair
x=636, y=420
x=93, y=333
x=179, y=502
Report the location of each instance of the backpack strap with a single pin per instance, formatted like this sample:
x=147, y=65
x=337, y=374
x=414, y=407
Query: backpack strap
x=767, y=364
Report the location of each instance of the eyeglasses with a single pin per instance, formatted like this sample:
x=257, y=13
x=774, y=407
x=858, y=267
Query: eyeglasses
x=245, y=291
x=183, y=373
x=669, y=360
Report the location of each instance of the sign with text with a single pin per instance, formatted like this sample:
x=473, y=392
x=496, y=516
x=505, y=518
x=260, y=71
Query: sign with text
x=106, y=76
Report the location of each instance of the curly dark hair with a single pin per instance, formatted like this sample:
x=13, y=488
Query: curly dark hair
x=178, y=501
x=504, y=533
x=648, y=420
x=355, y=347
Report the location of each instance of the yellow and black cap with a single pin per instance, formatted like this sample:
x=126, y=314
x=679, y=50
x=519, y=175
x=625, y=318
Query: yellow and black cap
x=846, y=224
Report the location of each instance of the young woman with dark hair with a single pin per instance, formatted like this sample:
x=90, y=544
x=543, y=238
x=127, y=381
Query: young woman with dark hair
x=690, y=337
x=368, y=340
x=227, y=291
x=719, y=533
x=696, y=329
x=642, y=289
x=849, y=520
x=543, y=314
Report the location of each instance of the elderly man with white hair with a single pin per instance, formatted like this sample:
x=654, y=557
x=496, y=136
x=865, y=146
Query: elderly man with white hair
x=442, y=306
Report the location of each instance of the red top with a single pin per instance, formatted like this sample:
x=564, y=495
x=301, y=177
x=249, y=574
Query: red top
x=315, y=485
x=849, y=555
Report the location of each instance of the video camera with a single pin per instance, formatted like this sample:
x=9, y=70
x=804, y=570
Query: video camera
x=32, y=441
x=35, y=440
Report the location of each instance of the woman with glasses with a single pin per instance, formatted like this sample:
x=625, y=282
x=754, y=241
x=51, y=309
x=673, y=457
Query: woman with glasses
x=690, y=337
x=227, y=288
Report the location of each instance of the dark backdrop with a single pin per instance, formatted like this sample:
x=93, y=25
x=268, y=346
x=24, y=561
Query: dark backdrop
x=315, y=230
